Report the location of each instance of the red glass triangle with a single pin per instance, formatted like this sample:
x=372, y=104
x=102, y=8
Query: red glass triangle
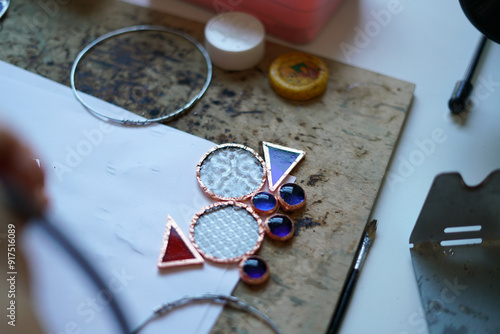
x=176, y=248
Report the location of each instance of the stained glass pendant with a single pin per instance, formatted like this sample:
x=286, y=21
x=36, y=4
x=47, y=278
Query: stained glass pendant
x=176, y=249
x=280, y=161
x=264, y=203
x=231, y=172
x=254, y=270
x=226, y=232
x=291, y=197
x=279, y=227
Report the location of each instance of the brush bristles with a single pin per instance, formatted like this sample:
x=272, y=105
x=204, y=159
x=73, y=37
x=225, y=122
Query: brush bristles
x=371, y=228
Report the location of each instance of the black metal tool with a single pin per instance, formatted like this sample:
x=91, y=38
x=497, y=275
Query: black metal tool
x=463, y=88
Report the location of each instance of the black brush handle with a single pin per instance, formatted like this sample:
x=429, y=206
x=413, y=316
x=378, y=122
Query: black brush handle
x=345, y=297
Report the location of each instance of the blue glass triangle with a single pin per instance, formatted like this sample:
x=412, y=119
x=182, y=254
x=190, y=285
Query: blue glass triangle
x=280, y=161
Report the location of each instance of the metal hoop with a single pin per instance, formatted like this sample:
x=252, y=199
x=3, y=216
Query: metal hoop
x=171, y=115
x=219, y=299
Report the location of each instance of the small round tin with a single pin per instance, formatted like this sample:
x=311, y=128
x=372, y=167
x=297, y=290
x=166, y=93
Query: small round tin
x=298, y=76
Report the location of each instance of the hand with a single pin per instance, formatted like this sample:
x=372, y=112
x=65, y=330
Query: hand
x=19, y=170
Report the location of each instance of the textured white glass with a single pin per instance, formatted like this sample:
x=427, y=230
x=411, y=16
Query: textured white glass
x=231, y=172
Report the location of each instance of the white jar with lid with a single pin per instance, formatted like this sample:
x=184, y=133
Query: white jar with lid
x=235, y=41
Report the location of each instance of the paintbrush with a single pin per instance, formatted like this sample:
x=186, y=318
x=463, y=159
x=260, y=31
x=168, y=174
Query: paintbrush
x=352, y=277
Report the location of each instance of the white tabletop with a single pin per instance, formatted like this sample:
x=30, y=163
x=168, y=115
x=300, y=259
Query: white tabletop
x=428, y=43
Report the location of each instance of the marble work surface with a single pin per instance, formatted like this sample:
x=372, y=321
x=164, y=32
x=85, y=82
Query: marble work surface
x=348, y=133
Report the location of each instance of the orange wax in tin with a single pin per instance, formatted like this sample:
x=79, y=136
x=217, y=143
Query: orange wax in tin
x=298, y=76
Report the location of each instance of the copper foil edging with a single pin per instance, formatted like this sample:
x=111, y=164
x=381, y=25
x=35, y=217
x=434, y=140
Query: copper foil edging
x=274, y=184
x=253, y=281
x=275, y=237
x=264, y=212
x=232, y=259
x=291, y=207
x=216, y=197
x=198, y=259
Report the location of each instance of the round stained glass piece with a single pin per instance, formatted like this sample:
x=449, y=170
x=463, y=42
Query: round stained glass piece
x=280, y=226
x=231, y=172
x=292, y=194
x=264, y=202
x=226, y=232
x=291, y=197
x=254, y=270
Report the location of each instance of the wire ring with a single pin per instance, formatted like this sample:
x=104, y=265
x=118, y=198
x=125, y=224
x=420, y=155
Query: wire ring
x=171, y=115
x=213, y=298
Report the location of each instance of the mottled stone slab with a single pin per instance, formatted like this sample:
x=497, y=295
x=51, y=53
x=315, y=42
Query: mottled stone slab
x=349, y=134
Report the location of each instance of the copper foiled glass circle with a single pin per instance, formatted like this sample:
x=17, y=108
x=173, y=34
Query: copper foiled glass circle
x=226, y=232
x=254, y=270
x=231, y=172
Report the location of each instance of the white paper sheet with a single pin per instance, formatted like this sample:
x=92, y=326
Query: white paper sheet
x=111, y=188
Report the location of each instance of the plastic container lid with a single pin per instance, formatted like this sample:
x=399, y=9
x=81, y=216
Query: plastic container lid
x=235, y=41
x=298, y=76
